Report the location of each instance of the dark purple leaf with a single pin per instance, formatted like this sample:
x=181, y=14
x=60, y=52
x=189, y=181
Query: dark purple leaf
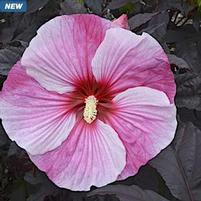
x=72, y=7
x=119, y=3
x=157, y=26
x=181, y=5
x=179, y=164
x=3, y=136
x=19, y=27
x=179, y=62
x=170, y=4
x=6, y=31
x=187, y=45
x=45, y=186
x=196, y=21
x=13, y=149
x=188, y=90
x=190, y=50
x=140, y=19
x=95, y=5
x=9, y=56
x=28, y=23
x=187, y=115
x=19, y=192
x=34, y=5
x=183, y=33
x=27, y=26
x=128, y=193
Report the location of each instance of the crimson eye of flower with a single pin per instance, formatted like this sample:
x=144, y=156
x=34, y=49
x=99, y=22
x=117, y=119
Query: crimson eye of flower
x=90, y=101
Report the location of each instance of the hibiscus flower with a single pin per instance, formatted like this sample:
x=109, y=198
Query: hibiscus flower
x=89, y=101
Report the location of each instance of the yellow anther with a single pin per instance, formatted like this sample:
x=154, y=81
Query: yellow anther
x=90, y=110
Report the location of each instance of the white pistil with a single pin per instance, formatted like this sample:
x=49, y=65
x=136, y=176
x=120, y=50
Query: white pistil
x=90, y=111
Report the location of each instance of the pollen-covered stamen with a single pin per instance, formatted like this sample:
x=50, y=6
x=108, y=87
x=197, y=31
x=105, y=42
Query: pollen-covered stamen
x=90, y=110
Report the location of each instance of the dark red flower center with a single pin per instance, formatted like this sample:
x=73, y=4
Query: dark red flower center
x=82, y=98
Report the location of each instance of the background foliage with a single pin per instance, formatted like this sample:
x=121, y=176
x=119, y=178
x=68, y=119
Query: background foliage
x=175, y=174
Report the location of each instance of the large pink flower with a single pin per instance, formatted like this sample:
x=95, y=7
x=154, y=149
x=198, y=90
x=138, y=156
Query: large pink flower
x=89, y=101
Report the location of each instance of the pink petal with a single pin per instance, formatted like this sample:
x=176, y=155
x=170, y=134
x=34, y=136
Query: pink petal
x=61, y=53
x=92, y=155
x=122, y=21
x=125, y=60
x=146, y=123
x=36, y=119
